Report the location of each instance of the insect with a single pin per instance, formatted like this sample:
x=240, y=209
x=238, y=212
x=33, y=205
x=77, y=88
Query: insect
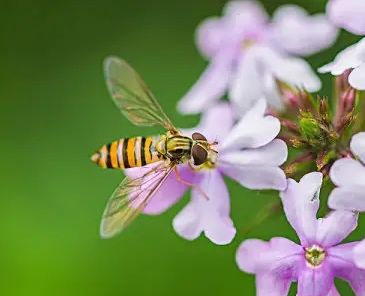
x=159, y=155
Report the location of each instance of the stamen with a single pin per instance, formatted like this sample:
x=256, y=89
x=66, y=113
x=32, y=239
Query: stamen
x=315, y=256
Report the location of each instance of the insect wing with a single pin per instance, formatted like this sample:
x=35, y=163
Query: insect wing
x=130, y=198
x=132, y=96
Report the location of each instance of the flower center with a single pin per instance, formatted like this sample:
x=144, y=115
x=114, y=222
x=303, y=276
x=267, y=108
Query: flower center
x=315, y=255
x=247, y=43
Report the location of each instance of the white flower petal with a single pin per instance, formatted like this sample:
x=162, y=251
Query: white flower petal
x=256, y=176
x=210, y=36
x=275, y=153
x=357, y=146
x=296, y=32
x=210, y=127
x=357, y=77
x=348, y=14
x=246, y=84
x=253, y=130
x=326, y=68
x=351, y=57
x=271, y=91
x=348, y=172
x=210, y=216
x=301, y=203
x=292, y=70
x=244, y=17
x=211, y=85
x=348, y=198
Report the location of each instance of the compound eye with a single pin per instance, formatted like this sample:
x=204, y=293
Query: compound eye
x=199, y=154
x=198, y=136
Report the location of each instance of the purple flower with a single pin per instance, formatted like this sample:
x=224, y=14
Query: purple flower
x=348, y=175
x=248, y=153
x=319, y=257
x=248, y=54
x=359, y=254
x=353, y=57
x=348, y=14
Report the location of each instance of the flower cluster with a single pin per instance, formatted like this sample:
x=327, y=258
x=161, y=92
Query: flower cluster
x=258, y=64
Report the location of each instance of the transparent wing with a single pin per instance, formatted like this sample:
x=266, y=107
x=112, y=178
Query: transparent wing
x=132, y=96
x=130, y=198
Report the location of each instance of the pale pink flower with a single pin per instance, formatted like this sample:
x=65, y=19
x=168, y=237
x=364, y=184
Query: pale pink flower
x=248, y=53
x=348, y=14
x=247, y=152
x=352, y=58
x=348, y=174
x=317, y=260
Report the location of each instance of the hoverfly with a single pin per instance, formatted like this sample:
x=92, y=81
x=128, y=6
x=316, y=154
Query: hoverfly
x=165, y=152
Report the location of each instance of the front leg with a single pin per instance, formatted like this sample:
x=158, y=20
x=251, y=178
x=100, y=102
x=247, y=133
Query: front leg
x=179, y=179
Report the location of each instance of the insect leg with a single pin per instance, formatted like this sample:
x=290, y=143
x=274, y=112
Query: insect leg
x=179, y=179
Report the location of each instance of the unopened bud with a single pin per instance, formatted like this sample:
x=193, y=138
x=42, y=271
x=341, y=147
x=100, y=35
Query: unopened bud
x=348, y=99
x=342, y=82
x=309, y=128
x=294, y=98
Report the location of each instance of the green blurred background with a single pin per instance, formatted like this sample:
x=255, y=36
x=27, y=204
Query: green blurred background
x=55, y=111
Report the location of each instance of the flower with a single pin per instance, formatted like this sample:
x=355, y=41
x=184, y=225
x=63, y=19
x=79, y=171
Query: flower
x=248, y=54
x=317, y=260
x=348, y=175
x=348, y=14
x=248, y=153
x=353, y=58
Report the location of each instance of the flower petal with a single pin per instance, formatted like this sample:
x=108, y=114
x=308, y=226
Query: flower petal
x=273, y=154
x=244, y=18
x=341, y=258
x=347, y=172
x=301, y=203
x=348, y=198
x=358, y=146
x=210, y=127
x=246, y=83
x=351, y=57
x=334, y=228
x=296, y=32
x=275, y=256
x=359, y=254
x=292, y=70
x=315, y=282
x=333, y=291
x=210, y=36
x=271, y=284
x=257, y=73
x=211, y=85
x=253, y=130
x=348, y=14
x=257, y=177
x=208, y=216
x=169, y=193
x=357, y=77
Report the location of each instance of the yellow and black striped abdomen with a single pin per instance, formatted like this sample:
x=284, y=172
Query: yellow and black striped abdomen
x=127, y=153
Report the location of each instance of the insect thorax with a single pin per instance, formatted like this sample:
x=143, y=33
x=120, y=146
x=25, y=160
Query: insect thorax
x=175, y=147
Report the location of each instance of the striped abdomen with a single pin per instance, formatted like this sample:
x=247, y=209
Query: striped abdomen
x=127, y=153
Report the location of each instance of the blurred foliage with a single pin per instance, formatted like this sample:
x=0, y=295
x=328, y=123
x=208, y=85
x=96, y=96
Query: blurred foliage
x=55, y=111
